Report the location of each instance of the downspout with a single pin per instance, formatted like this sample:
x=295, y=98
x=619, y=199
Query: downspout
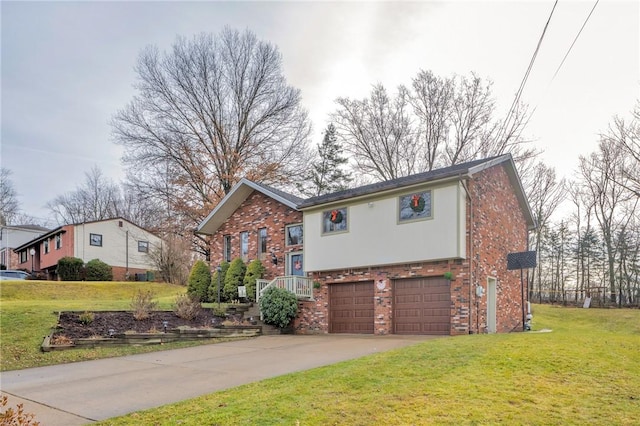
x=471, y=274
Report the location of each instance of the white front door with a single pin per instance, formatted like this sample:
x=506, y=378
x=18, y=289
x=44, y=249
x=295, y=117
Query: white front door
x=491, y=305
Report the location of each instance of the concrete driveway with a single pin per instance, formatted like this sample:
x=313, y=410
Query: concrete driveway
x=83, y=392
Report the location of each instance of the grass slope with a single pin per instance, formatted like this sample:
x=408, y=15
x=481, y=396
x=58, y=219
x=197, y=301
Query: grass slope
x=586, y=371
x=28, y=313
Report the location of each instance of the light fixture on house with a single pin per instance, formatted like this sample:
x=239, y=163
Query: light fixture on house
x=274, y=258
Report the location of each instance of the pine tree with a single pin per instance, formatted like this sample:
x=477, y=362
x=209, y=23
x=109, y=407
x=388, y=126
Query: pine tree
x=326, y=174
x=199, y=281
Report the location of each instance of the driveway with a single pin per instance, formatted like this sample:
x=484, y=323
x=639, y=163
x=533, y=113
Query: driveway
x=83, y=392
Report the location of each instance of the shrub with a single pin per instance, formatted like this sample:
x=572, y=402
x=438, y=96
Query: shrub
x=86, y=318
x=199, y=281
x=233, y=279
x=213, y=288
x=97, y=270
x=255, y=271
x=9, y=416
x=70, y=268
x=143, y=304
x=187, y=306
x=278, y=306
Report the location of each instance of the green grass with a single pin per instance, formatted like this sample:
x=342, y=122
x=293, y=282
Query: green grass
x=586, y=371
x=27, y=314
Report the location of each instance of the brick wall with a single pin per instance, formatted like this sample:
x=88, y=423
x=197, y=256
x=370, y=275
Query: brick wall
x=499, y=228
x=258, y=211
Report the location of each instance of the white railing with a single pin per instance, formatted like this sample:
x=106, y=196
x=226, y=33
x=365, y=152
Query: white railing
x=302, y=287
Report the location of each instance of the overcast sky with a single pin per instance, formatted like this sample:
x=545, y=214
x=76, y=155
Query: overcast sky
x=67, y=67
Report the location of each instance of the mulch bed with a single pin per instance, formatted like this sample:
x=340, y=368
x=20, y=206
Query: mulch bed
x=119, y=322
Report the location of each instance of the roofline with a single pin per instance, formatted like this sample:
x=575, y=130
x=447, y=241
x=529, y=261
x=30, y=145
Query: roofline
x=236, y=187
x=58, y=230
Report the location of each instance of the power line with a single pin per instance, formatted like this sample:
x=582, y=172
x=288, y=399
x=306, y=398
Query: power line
x=575, y=39
x=516, y=99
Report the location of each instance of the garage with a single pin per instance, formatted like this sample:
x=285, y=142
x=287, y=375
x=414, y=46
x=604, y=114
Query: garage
x=422, y=306
x=351, y=308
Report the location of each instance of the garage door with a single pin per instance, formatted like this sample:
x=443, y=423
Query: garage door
x=351, y=308
x=422, y=306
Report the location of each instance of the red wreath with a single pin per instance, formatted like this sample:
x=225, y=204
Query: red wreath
x=335, y=216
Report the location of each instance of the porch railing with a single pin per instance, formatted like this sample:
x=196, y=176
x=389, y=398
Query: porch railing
x=302, y=287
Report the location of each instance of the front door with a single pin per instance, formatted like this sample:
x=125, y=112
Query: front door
x=294, y=264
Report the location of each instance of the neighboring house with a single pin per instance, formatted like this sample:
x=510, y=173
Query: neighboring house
x=117, y=242
x=12, y=236
x=380, y=254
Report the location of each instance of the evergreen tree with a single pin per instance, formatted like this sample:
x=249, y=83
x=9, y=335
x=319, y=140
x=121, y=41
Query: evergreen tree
x=255, y=271
x=213, y=288
x=326, y=174
x=233, y=278
x=199, y=281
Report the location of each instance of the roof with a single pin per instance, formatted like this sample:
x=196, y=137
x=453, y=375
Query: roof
x=36, y=228
x=236, y=196
x=243, y=189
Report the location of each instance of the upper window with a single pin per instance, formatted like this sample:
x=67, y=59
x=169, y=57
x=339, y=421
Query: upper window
x=415, y=206
x=244, y=245
x=45, y=246
x=59, y=241
x=23, y=256
x=262, y=242
x=95, y=240
x=334, y=220
x=226, y=249
x=143, y=246
x=294, y=235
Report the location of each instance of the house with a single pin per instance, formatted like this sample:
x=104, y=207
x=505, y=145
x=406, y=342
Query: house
x=12, y=236
x=117, y=242
x=422, y=254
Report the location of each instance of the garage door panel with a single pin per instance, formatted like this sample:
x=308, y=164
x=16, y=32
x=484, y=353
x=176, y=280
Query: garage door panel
x=422, y=306
x=351, y=308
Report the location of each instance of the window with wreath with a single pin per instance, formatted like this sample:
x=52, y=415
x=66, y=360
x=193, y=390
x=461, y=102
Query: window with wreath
x=415, y=206
x=334, y=220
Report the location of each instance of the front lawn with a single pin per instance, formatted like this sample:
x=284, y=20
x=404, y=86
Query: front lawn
x=585, y=371
x=27, y=315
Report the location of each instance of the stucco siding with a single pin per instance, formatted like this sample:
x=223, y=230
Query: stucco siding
x=375, y=236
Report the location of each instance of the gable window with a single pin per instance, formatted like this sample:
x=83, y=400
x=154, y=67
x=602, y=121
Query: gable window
x=226, y=248
x=23, y=256
x=45, y=246
x=415, y=206
x=59, y=241
x=244, y=245
x=143, y=246
x=294, y=234
x=95, y=240
x=334, y=220
x=262, y=242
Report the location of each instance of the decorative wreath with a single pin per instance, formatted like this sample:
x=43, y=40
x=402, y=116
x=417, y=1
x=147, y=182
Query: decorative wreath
x=417, y=203
x=335, y=216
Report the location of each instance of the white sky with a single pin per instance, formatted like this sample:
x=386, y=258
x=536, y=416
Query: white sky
x=67, y=67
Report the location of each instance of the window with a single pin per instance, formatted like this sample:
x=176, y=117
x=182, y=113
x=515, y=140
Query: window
x=45, y=246
x=95, y=240
x=23, y=256
x=244, y=245
x=59, y=241
x=334, y=220
x=294, y=235
x=143, y=246
x=414, y=206
x=226, y=248
x=262, y=242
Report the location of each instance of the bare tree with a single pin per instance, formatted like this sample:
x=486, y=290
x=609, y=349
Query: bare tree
x=210, y=111
x=9, y=207
x=378, y=132
x=97, y=198
x=437, y=122
x=626, y=134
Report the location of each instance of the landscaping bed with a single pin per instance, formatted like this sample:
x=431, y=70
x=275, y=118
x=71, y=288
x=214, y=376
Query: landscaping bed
x=107, y=328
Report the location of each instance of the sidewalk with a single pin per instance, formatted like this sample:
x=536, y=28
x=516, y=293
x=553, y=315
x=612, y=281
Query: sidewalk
x=83, y=392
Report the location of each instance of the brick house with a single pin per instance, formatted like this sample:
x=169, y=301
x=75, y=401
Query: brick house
x=422, y=254
x=117, y=242
x=12, y=236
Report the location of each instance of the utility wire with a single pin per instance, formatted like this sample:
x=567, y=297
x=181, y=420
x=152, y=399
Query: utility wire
x=575, y=39
x=503, y=128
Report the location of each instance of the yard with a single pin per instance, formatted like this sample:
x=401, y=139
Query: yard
x=584, y=370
